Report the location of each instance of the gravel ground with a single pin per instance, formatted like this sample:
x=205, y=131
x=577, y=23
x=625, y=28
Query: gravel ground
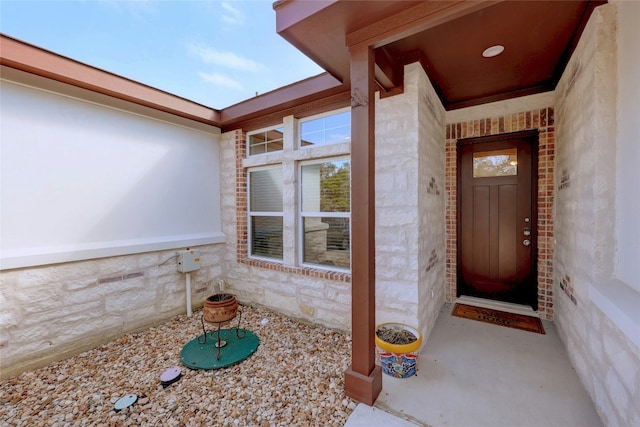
x=295, y=378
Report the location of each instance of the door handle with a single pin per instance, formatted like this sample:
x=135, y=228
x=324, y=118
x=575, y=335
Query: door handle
x=526, y=242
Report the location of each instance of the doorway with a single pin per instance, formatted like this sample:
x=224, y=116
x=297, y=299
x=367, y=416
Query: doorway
x=497, y=233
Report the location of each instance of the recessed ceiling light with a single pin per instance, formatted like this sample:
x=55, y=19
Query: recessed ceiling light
x=492, y=51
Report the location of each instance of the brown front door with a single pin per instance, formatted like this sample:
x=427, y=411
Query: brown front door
x=496, y=223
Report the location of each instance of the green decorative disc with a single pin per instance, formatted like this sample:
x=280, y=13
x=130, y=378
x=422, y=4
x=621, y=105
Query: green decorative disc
x=203, y=354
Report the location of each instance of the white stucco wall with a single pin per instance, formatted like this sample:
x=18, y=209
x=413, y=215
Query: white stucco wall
x=82, y=180
x=97, y=196
x=596, y=312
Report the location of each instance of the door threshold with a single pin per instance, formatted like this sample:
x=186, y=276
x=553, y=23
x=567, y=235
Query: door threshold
x=508, y=307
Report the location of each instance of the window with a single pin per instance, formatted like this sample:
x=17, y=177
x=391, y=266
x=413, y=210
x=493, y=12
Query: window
x=325, y=212
x=265, y=141
x=495, y=163
x=324, y=130
x=298, y=195
x=265, y=212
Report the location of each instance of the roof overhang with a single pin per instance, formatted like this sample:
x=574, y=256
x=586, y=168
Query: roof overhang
x=307, y=97
x=31, y=59
x=446, y=37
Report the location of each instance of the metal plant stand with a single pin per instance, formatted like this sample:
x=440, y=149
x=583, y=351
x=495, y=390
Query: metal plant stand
x=240, y=333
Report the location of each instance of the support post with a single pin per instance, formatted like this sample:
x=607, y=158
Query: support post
x=363, y=380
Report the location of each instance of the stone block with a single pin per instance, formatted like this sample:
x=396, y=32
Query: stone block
x=307, y=310
x=314, y=292
x=55, y=316
x=334, y=319
x=115, y=265
x=617, y=393
x=37, y=302
x=79, y=284
x=279, y=301
x=127, y=299
x=9, y=318
x=148, y=260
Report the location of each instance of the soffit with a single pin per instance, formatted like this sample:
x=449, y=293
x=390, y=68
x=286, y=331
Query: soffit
x=448, y=37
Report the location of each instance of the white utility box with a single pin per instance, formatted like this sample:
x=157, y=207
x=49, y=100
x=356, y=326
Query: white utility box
x=188, y=260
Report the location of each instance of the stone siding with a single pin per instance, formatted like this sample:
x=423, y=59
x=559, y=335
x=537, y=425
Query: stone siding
x=410, y=204
x=409, y=219
x=55, y=311
x=604, y=358
x=316, y=295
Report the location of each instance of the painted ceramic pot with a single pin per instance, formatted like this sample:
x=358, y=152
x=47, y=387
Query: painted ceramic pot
x=399, y=343
x=220, y=308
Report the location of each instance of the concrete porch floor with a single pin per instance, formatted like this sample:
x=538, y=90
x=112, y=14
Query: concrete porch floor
x=476, y=374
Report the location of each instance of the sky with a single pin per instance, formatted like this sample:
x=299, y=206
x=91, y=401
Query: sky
x=216, y=53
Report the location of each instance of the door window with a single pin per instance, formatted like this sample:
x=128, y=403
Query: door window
x=495, y=163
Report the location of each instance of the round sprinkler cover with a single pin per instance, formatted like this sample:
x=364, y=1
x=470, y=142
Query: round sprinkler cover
x=125, y=402
x=202, y=353
x=170, y=376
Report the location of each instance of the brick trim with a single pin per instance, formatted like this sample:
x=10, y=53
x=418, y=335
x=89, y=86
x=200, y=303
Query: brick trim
x=543, y=121
x=242, y=244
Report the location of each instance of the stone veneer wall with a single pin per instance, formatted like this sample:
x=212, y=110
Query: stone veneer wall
x=605, y=359
x=55, y=311
x=410, y=204
x=409, y=221
x=317, y=295
x=515, y=121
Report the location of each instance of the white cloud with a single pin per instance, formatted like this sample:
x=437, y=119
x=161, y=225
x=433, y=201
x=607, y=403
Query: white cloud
x=233, y=15
x=226, y=59
x=221, y=80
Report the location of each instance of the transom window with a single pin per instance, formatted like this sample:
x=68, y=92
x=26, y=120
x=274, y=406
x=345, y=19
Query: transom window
x=324, y=130
x=265, y=141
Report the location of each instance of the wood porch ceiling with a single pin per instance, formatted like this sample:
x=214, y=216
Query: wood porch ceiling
x=447, y=37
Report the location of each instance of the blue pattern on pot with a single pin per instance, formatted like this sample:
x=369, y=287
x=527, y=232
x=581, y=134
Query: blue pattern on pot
x=398, y=365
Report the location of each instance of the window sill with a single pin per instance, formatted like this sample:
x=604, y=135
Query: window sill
x=340, y=276
x=619, y=302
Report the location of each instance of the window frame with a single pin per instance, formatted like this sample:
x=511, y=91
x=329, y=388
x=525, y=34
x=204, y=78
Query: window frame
x=251, y=214
x=301, y=215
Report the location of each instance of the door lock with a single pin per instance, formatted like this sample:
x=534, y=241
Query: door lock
x=526, y=242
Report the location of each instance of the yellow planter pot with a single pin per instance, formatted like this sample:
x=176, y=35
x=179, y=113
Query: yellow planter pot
x=399, y=360
x=399, y=348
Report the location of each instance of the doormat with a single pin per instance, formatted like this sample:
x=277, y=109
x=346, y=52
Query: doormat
x=496, y=317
